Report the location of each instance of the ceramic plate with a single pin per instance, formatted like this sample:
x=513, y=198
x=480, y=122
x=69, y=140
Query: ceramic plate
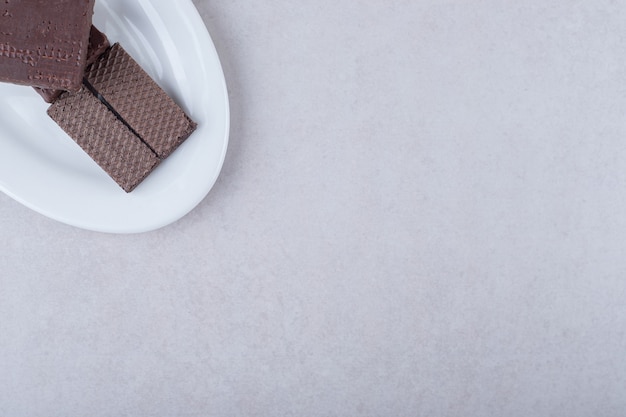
x=41, y=167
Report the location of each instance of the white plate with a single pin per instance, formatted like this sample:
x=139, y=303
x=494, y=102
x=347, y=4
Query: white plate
x=41, y=167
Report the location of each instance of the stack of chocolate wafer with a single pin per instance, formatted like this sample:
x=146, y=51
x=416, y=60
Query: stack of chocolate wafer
x=99, y=95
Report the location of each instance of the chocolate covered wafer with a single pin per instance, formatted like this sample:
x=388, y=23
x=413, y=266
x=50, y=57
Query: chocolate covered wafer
x=139, y=100
x=43, y=43
x=105, y=138
x=98, y=44
x=122, y=118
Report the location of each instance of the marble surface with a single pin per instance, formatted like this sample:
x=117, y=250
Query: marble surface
x=422, y=213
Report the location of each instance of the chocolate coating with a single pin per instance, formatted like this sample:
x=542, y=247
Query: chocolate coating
x=98, y=44
x=43, y=43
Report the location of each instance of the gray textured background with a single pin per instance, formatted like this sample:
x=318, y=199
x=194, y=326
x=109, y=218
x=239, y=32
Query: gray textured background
x=422, y=213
